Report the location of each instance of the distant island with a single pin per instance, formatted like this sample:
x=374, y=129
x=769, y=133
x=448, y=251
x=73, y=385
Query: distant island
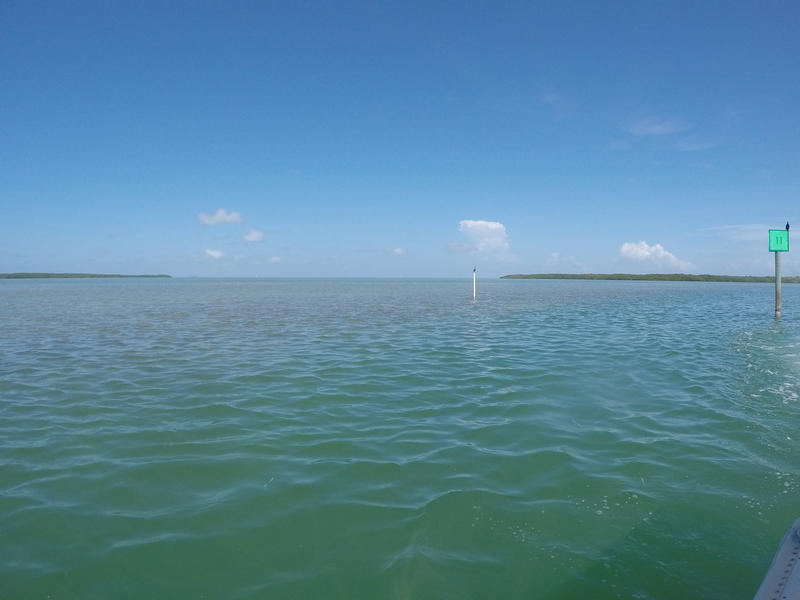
x=656, y=277
x=68, y=275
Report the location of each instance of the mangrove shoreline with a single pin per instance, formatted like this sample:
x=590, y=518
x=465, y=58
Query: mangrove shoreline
x=70, y=275
x=656, y=277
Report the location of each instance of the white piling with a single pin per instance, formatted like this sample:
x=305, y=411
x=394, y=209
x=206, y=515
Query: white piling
x=474, y=279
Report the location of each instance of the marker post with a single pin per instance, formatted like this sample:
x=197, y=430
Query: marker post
x=778, y=242
x=777, y=285
x=474, y=278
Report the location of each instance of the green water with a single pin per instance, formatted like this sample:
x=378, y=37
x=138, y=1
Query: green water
x=368, y=439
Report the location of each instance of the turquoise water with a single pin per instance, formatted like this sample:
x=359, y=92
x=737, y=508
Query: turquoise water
x=369, y=439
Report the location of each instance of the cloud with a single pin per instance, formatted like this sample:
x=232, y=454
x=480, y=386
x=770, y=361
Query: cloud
x=484, y=236
x=655, y=126
x=214, y=253
x=398, y=252
x=253, y=235
x=655, y=255
x=274, y=259
x=221, y=216
x=741, y=233
x=693, y=145
x=486, y=239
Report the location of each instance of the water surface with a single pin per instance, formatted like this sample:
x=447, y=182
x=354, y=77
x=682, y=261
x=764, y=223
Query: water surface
x=369, y=439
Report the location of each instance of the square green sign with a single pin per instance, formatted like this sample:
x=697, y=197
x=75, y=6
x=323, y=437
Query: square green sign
x=778, y=240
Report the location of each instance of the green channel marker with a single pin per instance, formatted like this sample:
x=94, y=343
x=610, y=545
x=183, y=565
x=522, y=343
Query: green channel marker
x=778, y=240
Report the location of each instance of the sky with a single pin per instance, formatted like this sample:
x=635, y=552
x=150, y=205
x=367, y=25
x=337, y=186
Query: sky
x=397, y=139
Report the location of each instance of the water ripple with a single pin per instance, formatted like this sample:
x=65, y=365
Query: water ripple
x=393, y=439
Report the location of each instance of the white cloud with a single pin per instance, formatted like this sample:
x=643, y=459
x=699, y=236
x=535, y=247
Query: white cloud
x=484, y=236
x=398, y=252
x=655, y=255
x=485, y=239
x=214, y=253
x=221, y=216
x=656, y=126
x=253, y=235
x=274, y=259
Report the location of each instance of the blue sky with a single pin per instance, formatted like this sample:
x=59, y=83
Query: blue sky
x=398, y=138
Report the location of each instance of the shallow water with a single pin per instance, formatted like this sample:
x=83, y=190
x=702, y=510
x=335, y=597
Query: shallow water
x=195, y=438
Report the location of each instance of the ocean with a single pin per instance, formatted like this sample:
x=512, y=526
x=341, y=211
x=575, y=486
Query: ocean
x=393, y=438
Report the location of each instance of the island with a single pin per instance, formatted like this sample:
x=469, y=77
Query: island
x=656, y=277
x=68, y=275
